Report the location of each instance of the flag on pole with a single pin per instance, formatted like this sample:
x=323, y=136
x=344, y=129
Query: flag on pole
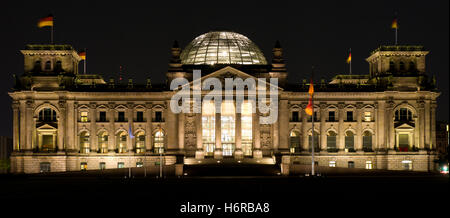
x=309, y=108
x=120, y=73
x=394, y=24
x=130, y=133
x=45, y=21
x=349, y=59
x=82, y=55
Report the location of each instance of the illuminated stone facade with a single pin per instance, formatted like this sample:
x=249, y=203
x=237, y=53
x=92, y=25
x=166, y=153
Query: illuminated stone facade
x=65, y=121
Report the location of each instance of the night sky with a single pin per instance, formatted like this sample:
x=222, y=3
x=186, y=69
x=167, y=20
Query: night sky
x=139, y=36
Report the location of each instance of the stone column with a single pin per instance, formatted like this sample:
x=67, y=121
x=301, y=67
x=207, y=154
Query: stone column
x=340, y=135
x=23, y=126
x=283, y=119
x=421, y=124
x=323, y=131
x=375, y=145
x=276, y=134
x=70, y=124
x=381, y=129
x=130, y=128
x=433, y=125
x=257, y=153
x=181, y=118
x=61, y=126
x=171, y=128
x=218, y=149
x=16, y=125
x=389, y=125
x=238, y=154
x=93, y=134
x=76, y=144
x=111, y=129
x=427, y=124
x=29, y=124
x=199, y=154
x=149, y=128
x=358, y=144
x=304, y=129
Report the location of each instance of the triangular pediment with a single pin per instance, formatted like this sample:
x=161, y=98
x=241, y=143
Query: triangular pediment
x=45, y=126
x=404, y=126
x=230, y=72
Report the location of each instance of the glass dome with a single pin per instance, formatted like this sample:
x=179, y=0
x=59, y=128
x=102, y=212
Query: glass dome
x=222, y=48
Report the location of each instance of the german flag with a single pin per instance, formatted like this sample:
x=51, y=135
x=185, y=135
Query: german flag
x=309, y=108
x=394, y=24
x=349, y=59
x=82, y=55
x=45, y=21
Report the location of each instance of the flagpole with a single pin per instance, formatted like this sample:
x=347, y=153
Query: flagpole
x=396, y=28
x=312, y=133
x=51, y=35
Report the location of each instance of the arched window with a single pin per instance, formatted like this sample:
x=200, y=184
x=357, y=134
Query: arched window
x=121, y=140
x=349, y=141
x=316, y=141
x=294, y=141
x=402, y=66
x=47, y=115
x=391, y=66
x=37, y=66
x=403, y=114
x=84, y=142
x=140, y=142
x=367, y=141
x=331, y=141
x=48, y=65
x=158, y=141
x=103, y=142
x=412, y=66
x=58, y=66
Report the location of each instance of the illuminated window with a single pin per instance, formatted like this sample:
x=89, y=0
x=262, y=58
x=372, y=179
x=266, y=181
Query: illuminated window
x=84, y=116
x=103, y=142
x=140, y=142
x=83, y=166
x=369, y=165
x=246, y=128
x=332, y=164
x=139, y=164
x=121, y=140
x=158, y=142
x=295, y=141
x=228, y=128
x=407, y=165
x=208, y=128
x=120, y=165
x=367, y=116
x=84, y=142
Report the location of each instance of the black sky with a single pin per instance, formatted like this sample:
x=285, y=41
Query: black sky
x=139, y=36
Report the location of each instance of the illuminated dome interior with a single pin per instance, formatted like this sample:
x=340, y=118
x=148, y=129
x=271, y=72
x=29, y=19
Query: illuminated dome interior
x=222, y=48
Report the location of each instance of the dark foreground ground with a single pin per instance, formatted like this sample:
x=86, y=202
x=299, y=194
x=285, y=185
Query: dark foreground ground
x=332, y=194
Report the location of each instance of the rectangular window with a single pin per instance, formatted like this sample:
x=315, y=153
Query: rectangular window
x=407, y=165
x=102, y=117
x=121, y=116
x=246, y=128
x=228, y=123
x=367, y=116
x=349, y=115
x=295, y=117
x=332, y=164
x=83, y=166
x=351, y=164
x=84, y=116
x=158, y=116
x=331, y=116
x=45, y=167
x=369, y=165
x=208, y=128
x=120, y=165
x=140, y=116
x=102, y=165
